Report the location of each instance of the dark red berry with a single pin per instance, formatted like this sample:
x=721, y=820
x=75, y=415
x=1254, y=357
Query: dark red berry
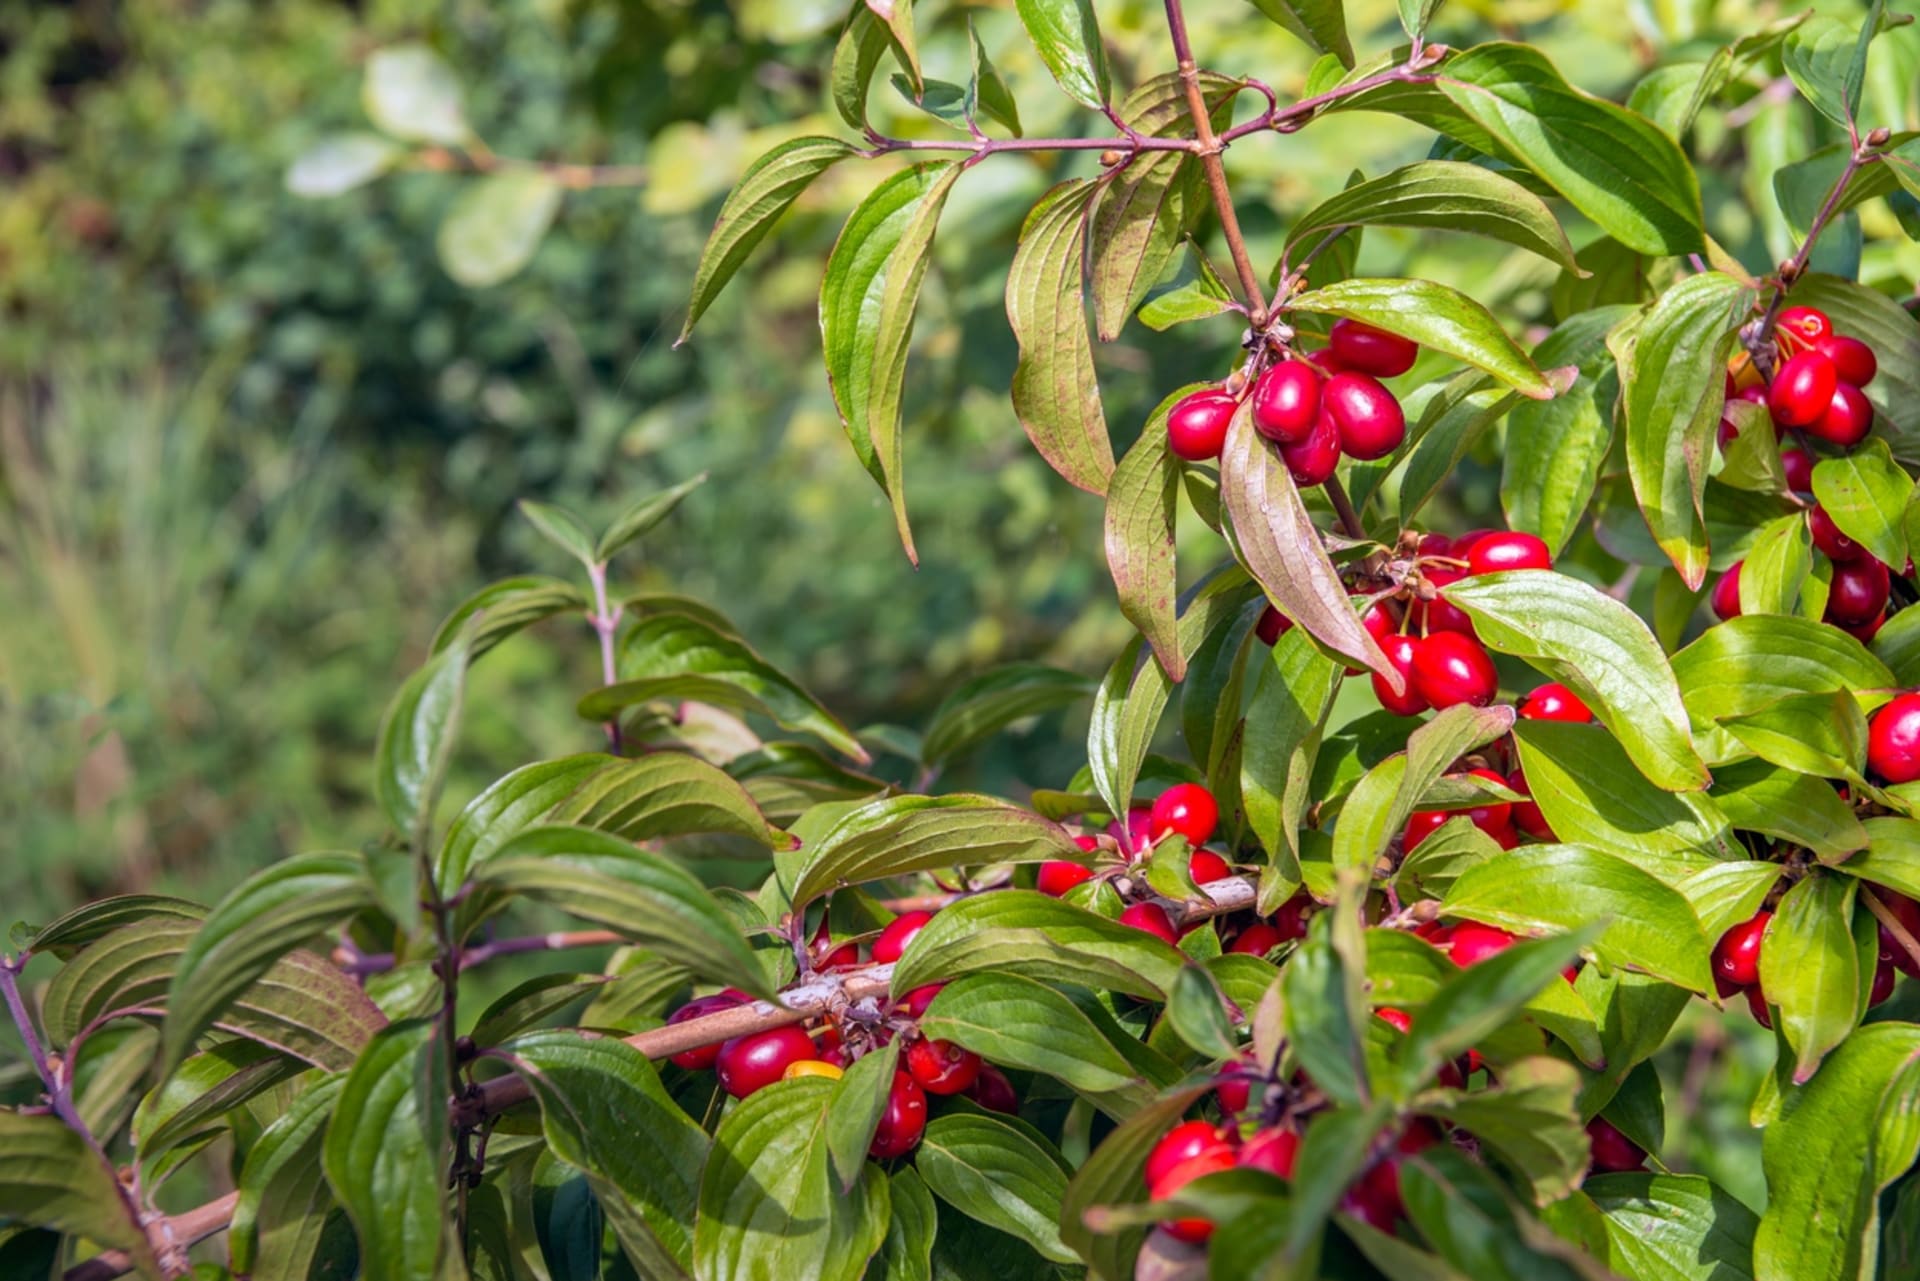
x=749, y=1063
x=1400, y=651
x=1257, y=939
x=700, y=1057
x=1865, y=632
x=1614, y=1152
x=1907, y=912
x=1474, y=942
x=1273, y=1150
x=1510, y=549
x=1311, y=461
x=1884, y=976
x=1192, y=1231
x=1554, y=702
x=1736, y=957
x=903, y=1121
x=1233, y=1091
x=1858, y=592
x=1325, y=361
x=1286, y=400
x=1374, y=351
x=1139, y=824
x=1434, y=544
x=1197, y=425
x=1802, y=389
x=1368, y=416
x=1272, y=626
x=1057, y=876
x=1809, y=324
x=1291, y=920
x=1152, y=918
x=1187, y=809
x=1852, y=359
x=1848, y=419
x=1757, y=1006
x=1726, y=593
x=1449, y=669
x=915, y=1003
x=992, y=1091
x=1893, y=740
x=1182, y=1143
x=941, y=1067
x=1798, y=465
x=1828, y=538
x=900, y=931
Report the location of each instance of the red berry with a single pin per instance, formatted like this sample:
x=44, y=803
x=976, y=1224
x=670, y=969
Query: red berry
x=1509, y=550
x=1206, y=867
x=1182, y=1143
x=1139, y=825
x=1379, y=622
x=1474, y=942
x=1375, y=351
x=1273, y=1150
x=1865, y=632
x=1757, y=1006
x=1257, y=939
x=1434, y=544
x=1440, y=614
x=1192, y=1231
x=1802, y=389
x=700, y=1057
x=1312, y=460
x=992, y=1091
x=1726, y=593
x=1197, y=425
x=1152, y=918
x=915, y=1003
x=903, y=1121
x=1554, y=702
x=1400, y=1020
x=941, y=1067
x=1807, y=323
x=900, y=931
x=1884, y=976
x=1057, y=876
x=1526, y=815
x=1272, y=626
x=1234, y=1088
x=748, y=1063
x=1185, y=808
x=1614, y=1152
x=1420, y=825
x=1325, y=361
x=1286, y=400
x=1858, y=592
x=1449, y=669
x=1401, y=652
x=1369, y=418
x=1291, y=920
x=1736, y=957
x=1848, y=418
x=1798, y=465
x=1893, y=740
x=1852, y=359
x=1490, y=814
x=1828, y=538
x=1754, y=395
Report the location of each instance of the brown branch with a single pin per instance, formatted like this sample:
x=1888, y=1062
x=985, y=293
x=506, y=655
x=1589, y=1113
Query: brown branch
x=1796, y=266
x=184, y=1230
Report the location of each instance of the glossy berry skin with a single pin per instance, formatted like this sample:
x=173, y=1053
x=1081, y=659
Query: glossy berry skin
x=1257, y=939
x=1399, y=1020
x=1736, y=957
x=1401, y=653
x=1852, y=359
x=1725, y=599
x=1139, y=824
x=1274, y=1150
x=1192, y=1231
x=749, y=1063
x=1272, y=626
x=1450, y=669
x=1152, y=918
x=1511, y=549
x=1554, y=702
x=1828, y=538
x=1858, y=592
x=1057, y=876
x=1474, y=942
x=1884, y=977
x=1286, y=400
x=1440, y=614
x=1848, y=419
x=1312, y=460
x=1374, y=351
x=900, y=931
x=1798, y=465
x=1614, y=1152
x=1187, y=809
x=1757, y=1006
x=1809, y=324
x=915, y=1003
x=1893, y=740
x=903, y=1121
x=1197, y=425
x=992, y=1091
x=1369, y=418
x=1182, y=1143
x=701, y=1057
x=941, y=1067
x=1291, y=920
x=1206, y=867
x=1802, y=389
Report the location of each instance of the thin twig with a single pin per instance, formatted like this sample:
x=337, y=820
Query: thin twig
x=606, y=625
x=1796, y=266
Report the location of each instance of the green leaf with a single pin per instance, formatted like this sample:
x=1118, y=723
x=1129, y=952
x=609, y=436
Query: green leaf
x=1067, y=36
x=859, y=1101
x=1141, y=500
x=1450, y=426
x=983, y=705
x=1448, y=195
x=1415, y=15
x=1292, y=695
x=1126, y=712
x=1056, y=394
x=1023, y=1024
x=1673, y=360
x=49, y=1178
x=1001, y=1175
x=1378, y=808
x=1776, y=566
x=640, y=518
x=1554, y=448
x=271, y=913
x=604, y=1111
x=863, y=42
x=1320, y=24
x=417, y=736
x=1650, y=926
x=866, y=317
x=1673, y=1225
x=1021, y=932
x=666, y=794
x=988, y=89
x=641, y=895
x=1820, y=734
x=410, y=93
x=280, y=1216
x=387, y=1151
x=1112, y=1176
x=93, y=921
x=907, y=1254
x=522, y=1006
x=896, y=835
x=768, y=1207
x=1528, y=1120
x=207, y=1087
x=1595, y=644
x=338, y=164
x=1615, y=167
x=1810, y=968
x=495, y=226
x=1867, y=495
x=1323, y=1009
x=678, y=645
x=1475, y=1003
x=1752, y=661
x=1435, y=316
x=1827, y=61
x=560, y=527
x=1757, y=796
x=506, y=607
x=510, y=805
x=1198, y=1015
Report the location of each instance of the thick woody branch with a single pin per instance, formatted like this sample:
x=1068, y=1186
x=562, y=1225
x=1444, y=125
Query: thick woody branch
x=184, y=1230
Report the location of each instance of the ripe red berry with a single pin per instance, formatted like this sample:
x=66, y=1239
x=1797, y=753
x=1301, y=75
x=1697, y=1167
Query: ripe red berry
x=1399, y=1020
x=1526, y=814
x=1434, y=544
x=1848, y=419
x=1802, y=389
x=748, y=1063
x=1374, y=351
x=1554, y=702
x=903, y=1121
x=1614, y=1152
x=1286, y=400
x=1884, y=976
x=1736, y=957
x=1192, y=1231
x=1757, y=1006
x=1273, y=1150
x=1257, y=939
x=1325, y=361
x=1379, y=623
x=992, y=1091
x=1369, y=418
x=1858, y=592
x=1185, y=808
x=941, y=1067
x=1312, y=460
x=1291, y=920
x=1474, y=942
x=1809, y=324
x=1139, y=824
x=1272, y=626
x=1828, y=538
x=1401, y=652
x=1152, y=918
x=1420, y=825
x=1726, y=593
x=1449, y=669
x=1440, y=614
x=1798, y=465
x=915, y=1003
x=900, y=931
x=1233, y=1091
x=1510, y=549
x=1206, y=867
x=1865, y=632
x=1057, y=876
x=1490, y=814
x=1893, y=740
x=1852, y=359
x=700, y=1057
x=1197, y=425
x=1182, y=1143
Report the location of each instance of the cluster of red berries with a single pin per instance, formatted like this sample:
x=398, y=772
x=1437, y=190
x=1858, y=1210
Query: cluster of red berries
x=1505, y=821
x=1817, y=387
x=1861, y=583
x=1315, y=407
x=1736, y=957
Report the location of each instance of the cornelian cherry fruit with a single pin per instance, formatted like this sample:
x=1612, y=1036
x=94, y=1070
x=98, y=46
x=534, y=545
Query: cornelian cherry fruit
x=1183, y=1142
x=1206, y=867
x=1848, y=419
x=1274, y=1150
x=1197, y=424
x=1257, y=939
x=1736, y=957
x=1286, y=400
x=1798, y=465
x=1369, y=419
x=900, y=931
x=1893, y=740
x=1272, y=626
x=1192, y=1231
x=1375, y=351
x=750, y=1063
x=1450, y=669
x=700, y=1057
x=1802, y=389
x=1315, y=457
x=1474, y=942
x=1614, y=1152
x=1152, y=918
x=941, y=1067
x=1726, y=593
x=1057, y=876
x=1809, y=324
x=1512, y=549
x=1858, y=592
x=1401, y=652
x=1828, y=538
x=1187, y=809
x=903, y=1120
x=993, y=1091
x=1554, y=702
x=1852, y=359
